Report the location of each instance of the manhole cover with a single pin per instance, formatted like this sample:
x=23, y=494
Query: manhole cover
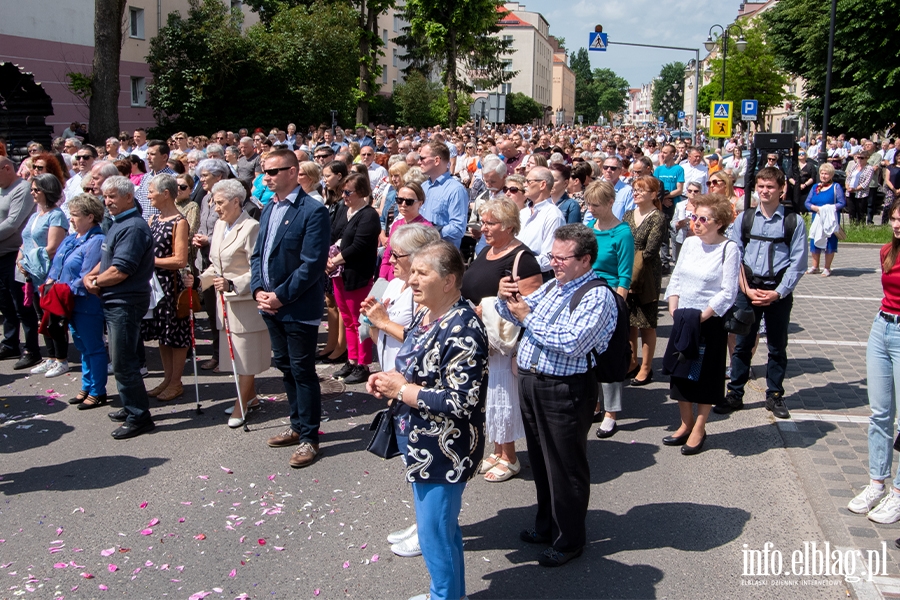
x=331, y=389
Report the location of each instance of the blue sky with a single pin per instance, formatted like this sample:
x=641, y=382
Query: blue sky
x=683, y=23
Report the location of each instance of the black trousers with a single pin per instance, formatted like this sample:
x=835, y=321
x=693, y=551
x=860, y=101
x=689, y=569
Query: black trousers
x=557, y=413
x=856, y=208
x=12, y=306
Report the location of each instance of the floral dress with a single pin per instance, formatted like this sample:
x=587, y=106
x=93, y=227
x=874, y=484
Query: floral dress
x=165, y=326
x=643, y=302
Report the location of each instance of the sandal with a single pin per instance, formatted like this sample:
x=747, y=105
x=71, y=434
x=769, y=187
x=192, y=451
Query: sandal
x=81, y=397
x=93, y=402
x=157, y=390
x=499, y=474
x=171, y=393
x=488, y=463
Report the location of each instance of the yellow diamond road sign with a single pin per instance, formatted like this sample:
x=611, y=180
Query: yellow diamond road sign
x=720, y=119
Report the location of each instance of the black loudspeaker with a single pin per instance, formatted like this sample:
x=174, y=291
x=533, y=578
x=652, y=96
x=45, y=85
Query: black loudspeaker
x=774, y=141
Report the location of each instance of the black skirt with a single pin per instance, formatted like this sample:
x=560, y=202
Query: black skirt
x=710, y=386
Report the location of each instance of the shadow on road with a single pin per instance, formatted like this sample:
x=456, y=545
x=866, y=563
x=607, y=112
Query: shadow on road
x=82, y=474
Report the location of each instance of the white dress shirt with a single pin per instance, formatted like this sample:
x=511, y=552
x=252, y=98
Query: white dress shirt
x=538, y=225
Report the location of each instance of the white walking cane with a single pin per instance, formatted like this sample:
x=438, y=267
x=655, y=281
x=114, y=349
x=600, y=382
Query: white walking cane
x=233, y=365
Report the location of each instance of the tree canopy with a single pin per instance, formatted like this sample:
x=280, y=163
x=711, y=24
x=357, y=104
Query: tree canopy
x=668, y=91
x=207, y=74
x=522, y=109
x=865, y=75
x=597, y=92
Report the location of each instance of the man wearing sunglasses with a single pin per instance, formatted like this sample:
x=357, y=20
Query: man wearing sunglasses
x=612, y=173
x=288, y=283
x=83, y=163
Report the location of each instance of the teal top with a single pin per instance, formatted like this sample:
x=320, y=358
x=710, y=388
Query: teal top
x=615, y=255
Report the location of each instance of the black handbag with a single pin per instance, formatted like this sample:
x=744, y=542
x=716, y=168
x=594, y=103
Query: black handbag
x=384, y=442
x=739, y=320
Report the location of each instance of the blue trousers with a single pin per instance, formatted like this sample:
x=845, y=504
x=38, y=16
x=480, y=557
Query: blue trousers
x=294, y=350
x=883, y=376
x=778, y=319
x=87, y=334
x=440, y=537
x=124, y=324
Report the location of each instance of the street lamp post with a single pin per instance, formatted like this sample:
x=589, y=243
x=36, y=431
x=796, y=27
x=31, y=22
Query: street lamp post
x=710, y=44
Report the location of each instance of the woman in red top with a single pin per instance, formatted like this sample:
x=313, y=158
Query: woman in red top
x=883, y=375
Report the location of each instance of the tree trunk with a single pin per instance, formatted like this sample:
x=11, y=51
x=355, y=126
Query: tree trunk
x=453, y=112
x=104, y=105
x=368, y=23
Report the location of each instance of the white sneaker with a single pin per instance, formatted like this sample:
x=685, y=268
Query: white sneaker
x=43, y=367
x=398, y=536
x=144, y=372
x=887, y=511
x=410, y=546
x=59, y=367
x=109, y=369
x=866, y=500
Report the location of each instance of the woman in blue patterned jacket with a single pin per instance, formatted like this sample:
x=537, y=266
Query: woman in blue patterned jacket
x=440, y=370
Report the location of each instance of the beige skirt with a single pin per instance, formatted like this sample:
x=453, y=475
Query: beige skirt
x=252, y=352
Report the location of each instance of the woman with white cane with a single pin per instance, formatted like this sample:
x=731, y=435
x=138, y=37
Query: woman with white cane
x=244, y=331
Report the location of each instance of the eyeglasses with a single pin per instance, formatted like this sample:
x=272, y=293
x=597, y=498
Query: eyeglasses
x=34, y=151
x=398, y=256
x=407, y=201
x=700, y=219
x=318, y=156
x=183, y=187
x=489, y=223
x=533, y=180
x=610, y=167
x=716, y=182
x=36, y=191
x=771, y=158
x=561, y=259
x=511, y=189
x=83, y=157
x=275, y=171
x=695, y=191
x=39, y=168
x=347, y=193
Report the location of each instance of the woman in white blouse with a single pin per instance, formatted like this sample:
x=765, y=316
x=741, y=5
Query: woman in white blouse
x=705, y=280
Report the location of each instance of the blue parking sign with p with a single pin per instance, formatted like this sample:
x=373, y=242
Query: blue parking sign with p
x=749, y=107
x=597, y=42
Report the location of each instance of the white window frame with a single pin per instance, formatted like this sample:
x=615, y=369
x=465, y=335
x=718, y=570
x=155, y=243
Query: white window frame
x=136, y=23
x=138, y=91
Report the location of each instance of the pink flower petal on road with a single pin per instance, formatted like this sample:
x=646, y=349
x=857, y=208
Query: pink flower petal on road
x=204, y=477
x=374, y=558
x=164, y=567
x=102, y=587
x=233, y=573
x=148, y=563
x=79, y=509
x=227, y=470
x=87, y=575
x=217, y=590
x=144, y=504
x=315, y=592
x=107, y=552
x=74, y=587
x=279, y=548
x=242, y=597
x=153, y=522
x=60, y=565
x=201, y=537
x=112, y=568
x=186, y=503
x=347, y=564
x=59, y=530
x=363, y=547
x=199, y=595
x=181, y=520
x=241, y=541
x=261, y=542
x=147, y=531
x=272, y=477
x=179, y=568
x=136, y=571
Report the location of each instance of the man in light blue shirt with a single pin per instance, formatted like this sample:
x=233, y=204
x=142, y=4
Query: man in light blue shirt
x=612, y=172
x=446, y=200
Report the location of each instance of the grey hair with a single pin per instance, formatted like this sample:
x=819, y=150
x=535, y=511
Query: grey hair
x=246, y=140
x=585, y=242
x=165, y=183
x=75, y=142
x=415, y=175
x=122, y=186
x=107, y=169
x=556, y=157
x=113, y=140
x=231, y=188
x=231, y=150
x=409, y=238
x=494, y=165
x=51, y=187
x=213, y=166
x=396, y=158
x=215, y=149
x=196, y=155
x=444, y=257
x=87, y=204
x=544, y=174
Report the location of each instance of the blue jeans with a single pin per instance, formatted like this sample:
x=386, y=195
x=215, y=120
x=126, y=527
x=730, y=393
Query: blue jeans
x=87, y=334
x=294, y=351
x=440, y=537
x=124, y=324
x=778, y=319
x=883, y=375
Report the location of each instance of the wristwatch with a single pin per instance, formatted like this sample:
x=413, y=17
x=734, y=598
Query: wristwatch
x=400, y=393
x=94, y=282
x=229, y=285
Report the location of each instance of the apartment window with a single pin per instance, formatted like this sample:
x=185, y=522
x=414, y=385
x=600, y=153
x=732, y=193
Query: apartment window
x=384, y=74
x=393, y=84
x=507, y=65
x=506, y=88
x=384, y=36
x=396, y=24
x=507, y=38
x=138, y=91
x=136, y=22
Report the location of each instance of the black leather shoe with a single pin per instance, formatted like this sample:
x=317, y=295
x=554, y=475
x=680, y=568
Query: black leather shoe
x=630, y=374
x=689, y=450
x=551, y=557
x=130, y=430
x=671, y=440
x=93, y=402
x=603, y=434
x=29, y=359
x=639, y=382
x=7, y=352
x=533, y=537
x=731, y=403
x=119, y=416
x=343, y=371
x=359, y=374
x=775, y=404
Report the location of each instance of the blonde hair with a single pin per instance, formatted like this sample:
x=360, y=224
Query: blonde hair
x=505, y=211
x=600, y=191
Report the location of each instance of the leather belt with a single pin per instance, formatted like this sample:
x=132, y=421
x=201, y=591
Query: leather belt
x=889, y=317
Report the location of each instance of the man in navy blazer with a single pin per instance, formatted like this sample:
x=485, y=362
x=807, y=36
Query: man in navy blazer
x=288, y=282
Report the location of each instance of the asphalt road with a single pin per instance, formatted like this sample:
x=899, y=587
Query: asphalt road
x=196, y=508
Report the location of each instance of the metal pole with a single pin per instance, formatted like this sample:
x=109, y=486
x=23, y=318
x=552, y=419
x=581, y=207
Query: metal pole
x=724, y=56
x=696, y=96
x=823, y=149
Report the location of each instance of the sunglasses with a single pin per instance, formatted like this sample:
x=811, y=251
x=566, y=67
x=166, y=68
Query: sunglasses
x=82, y=157
x=39, y=168
x=182, y=187
x=398, y=256
x=318, y=156
x=275, y=171
x=346, y=193
x=700, y=219
x=610, y=167
x=407, y=201
x=716, y=182
x=511, y=190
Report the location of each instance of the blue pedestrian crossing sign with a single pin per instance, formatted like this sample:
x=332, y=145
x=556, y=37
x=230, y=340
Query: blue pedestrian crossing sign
x=749, y=110
x=721, y=110
x=597, y=42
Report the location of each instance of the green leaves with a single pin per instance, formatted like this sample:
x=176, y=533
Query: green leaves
x=522, y=109
x=597, y=92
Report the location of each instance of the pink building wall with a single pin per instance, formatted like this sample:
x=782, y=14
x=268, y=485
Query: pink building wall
x=50, y=61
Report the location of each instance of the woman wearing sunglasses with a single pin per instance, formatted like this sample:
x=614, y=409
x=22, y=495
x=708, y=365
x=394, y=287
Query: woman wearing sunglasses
x=410, y=198
x=515, y=190
x=703, y=287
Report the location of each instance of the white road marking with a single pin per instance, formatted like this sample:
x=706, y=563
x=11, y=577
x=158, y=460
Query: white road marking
x=828, y=418
x=826, y=343
x=807, y=297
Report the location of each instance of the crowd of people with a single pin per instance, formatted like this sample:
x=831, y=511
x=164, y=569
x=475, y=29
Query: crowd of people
x=478, y=271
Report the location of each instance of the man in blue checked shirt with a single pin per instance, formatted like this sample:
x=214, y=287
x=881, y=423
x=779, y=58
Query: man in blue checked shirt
x=557, y=390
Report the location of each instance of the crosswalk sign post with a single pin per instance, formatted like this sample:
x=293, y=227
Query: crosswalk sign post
x=720, y=119
x=597, y=41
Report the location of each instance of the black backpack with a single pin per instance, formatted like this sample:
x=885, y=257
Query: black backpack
x=612, y=365
x=790, y=225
